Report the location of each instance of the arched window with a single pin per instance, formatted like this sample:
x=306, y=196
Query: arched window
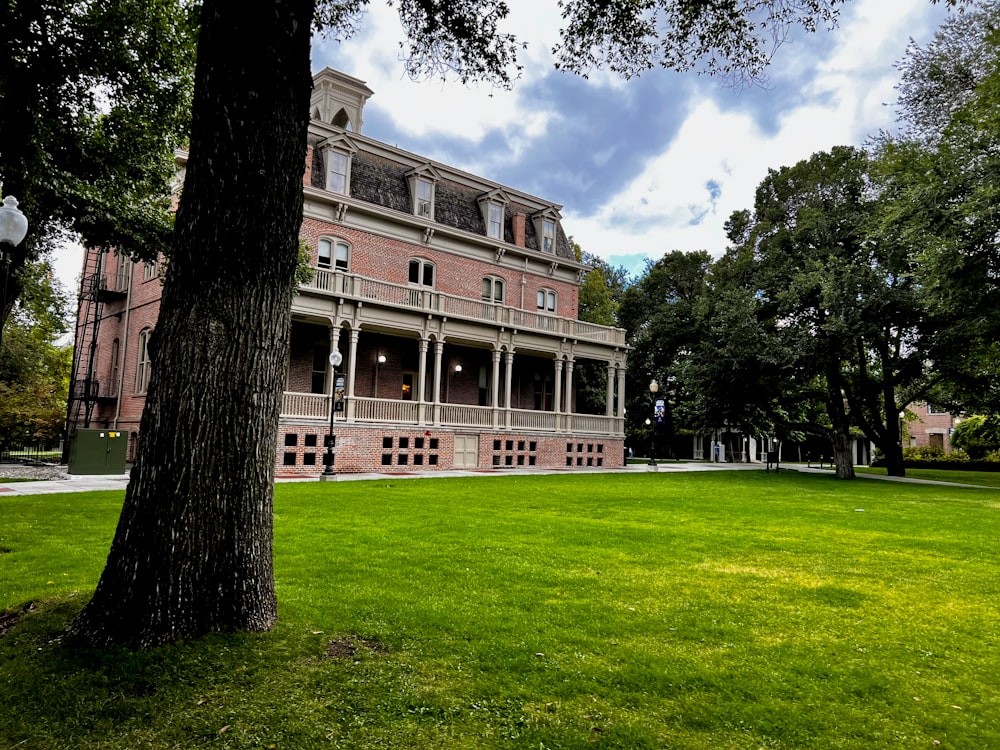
x=547, y=300
x=113, y=374
x=144, y=364
x=421, y=272
x=493, y=289
x=334, y=253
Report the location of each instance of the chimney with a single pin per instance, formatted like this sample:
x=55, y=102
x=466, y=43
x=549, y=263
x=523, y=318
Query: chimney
x=517, y=224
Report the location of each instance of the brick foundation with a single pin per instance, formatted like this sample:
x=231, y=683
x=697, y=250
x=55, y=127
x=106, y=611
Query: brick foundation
x=375, y=448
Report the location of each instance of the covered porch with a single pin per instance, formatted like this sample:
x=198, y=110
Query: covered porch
x=430, y=380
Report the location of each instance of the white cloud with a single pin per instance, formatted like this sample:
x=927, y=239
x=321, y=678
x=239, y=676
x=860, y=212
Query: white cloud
x=843, y=105
x=445, y=107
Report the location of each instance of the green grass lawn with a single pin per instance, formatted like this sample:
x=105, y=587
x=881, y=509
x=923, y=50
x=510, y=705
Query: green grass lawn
x=980, y=478
x=714, y=610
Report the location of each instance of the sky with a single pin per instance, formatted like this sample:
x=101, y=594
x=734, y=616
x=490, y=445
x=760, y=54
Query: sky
x=649, y=165
x=645, y=166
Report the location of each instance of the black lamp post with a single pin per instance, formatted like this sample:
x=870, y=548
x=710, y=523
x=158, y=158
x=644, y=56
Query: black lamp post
x=657, y=418
x=328, y=472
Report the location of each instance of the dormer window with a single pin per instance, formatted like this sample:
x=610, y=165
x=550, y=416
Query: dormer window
x=425, y=198
x=548, y=236
x=545, y=222
x=493, y=205
x=338, y=152
x=423, y=181
x=337, y=172
x=494, y=226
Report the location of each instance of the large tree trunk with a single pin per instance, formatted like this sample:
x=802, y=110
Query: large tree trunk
x=193, y=548
x=843, y=457
x=840, y=434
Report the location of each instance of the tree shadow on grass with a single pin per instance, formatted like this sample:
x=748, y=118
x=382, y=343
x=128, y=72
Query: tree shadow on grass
x=52, y=690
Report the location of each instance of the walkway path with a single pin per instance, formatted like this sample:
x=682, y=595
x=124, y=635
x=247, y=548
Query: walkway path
x=89, y=483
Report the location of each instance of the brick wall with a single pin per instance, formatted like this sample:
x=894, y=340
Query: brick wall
x=388, y=259
x=929, y=429
x=385, y=449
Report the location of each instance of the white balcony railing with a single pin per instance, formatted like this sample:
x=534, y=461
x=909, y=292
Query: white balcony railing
x=386, y=411
x=458, y=415
x=342, y=284
x=308, y=405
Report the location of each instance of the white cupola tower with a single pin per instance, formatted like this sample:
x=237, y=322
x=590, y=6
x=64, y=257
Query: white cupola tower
x=338, y=99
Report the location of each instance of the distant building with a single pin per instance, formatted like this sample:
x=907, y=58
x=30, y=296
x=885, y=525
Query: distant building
x=452, y=300
x=932, y=427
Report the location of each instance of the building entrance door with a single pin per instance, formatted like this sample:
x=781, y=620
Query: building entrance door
x=466, y=451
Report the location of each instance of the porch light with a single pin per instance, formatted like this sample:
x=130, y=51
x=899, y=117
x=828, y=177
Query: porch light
x=336, y=358
x=458, y=369
x=381, y=359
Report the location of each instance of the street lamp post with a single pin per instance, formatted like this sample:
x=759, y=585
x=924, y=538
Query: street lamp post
x=13, y=228
x=657, y=419
x=328, y=471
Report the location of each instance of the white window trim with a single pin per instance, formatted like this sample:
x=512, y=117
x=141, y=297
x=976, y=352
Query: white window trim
x=539, y=219
x=549, y=297
x=335, y=243
x=423, y=175
x=500, y=200
x=493, y=282
x=340, y=146
x=143, y=361
x=424, y=263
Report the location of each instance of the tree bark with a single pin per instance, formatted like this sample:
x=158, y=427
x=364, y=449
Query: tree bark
x=840, y=434
x=843, y=458
x=193, y=549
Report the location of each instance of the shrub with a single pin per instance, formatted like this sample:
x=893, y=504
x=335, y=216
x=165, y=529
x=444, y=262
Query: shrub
x=978, y=435
x=924, y=453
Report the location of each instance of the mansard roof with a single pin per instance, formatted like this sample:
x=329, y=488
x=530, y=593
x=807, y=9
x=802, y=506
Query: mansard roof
x=379, y=176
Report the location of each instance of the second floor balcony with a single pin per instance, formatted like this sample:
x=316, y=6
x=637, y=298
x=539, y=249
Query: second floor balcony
x=423, y=300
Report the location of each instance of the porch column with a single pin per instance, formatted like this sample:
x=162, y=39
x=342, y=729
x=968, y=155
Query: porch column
x=557, y=393
x=508, y=377
x=438, y=353
x=621, y=400
x=423, y=345
x=569, y=395
x=495, y=388
x=609, y=410
x=621, y=393
x=352, y=371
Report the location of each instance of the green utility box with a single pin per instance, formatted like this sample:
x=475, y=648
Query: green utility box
x=98, y=452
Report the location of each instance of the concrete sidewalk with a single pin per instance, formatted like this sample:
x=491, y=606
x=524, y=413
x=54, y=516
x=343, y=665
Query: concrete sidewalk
x=90, y=483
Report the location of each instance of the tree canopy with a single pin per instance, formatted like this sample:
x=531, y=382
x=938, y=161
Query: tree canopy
x=34, y=367
x=94, y=98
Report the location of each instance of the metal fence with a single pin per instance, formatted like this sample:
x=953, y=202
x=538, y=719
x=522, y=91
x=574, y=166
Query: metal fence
x=47, y=453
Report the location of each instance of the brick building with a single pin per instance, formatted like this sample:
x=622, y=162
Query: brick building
x=929, y=426
x=451, y=299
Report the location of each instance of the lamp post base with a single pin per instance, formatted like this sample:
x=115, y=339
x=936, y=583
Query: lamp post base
x=324, y=477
